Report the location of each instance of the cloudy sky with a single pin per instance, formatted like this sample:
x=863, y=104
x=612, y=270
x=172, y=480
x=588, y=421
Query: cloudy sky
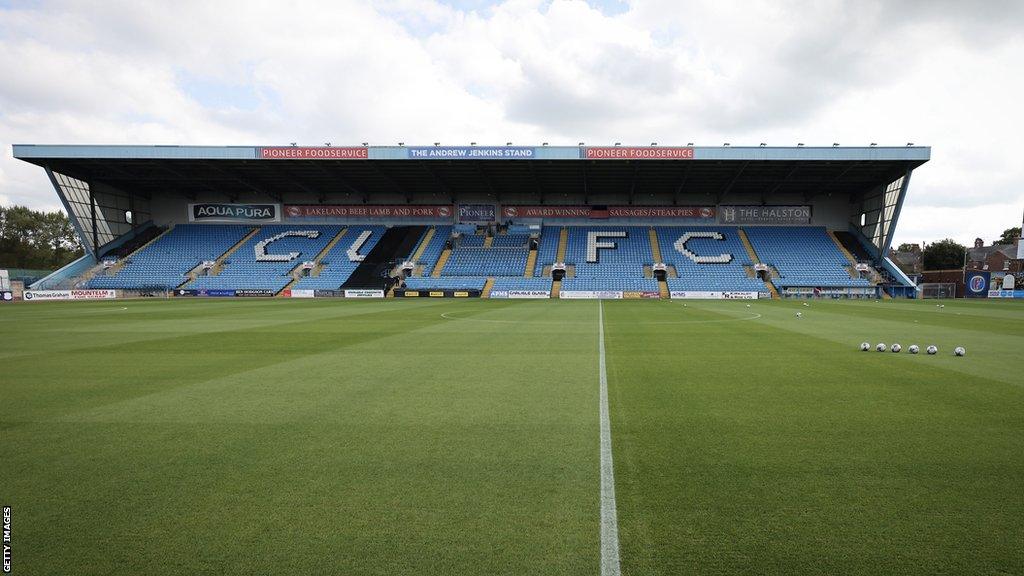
x=940, y=73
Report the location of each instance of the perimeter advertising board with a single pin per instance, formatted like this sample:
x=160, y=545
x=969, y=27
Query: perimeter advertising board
x=299, y=212
x=205, y=293
x=254, y=293
x=406, y=293
x=1006, y=294
x=636, y=295
x=364, y=293
x=700, y=295
x=526, y=294
x=213, y=212
x=6, y=296
x=779, y=215
x=38, y=295
x=590, y=294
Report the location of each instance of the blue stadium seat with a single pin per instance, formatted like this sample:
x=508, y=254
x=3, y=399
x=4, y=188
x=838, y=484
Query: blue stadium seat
x=520, y=283
x=337, y=266
x=707, y=276
x=506, y=257
x=803, y=255
x=164, y=263
x=244, y=270
x=434, y=248
x=446, y=283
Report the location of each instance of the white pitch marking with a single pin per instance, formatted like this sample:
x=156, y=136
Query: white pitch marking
x=448, y=316
x=609, y=515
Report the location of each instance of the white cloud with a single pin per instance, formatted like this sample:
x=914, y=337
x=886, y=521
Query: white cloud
x=941, y=73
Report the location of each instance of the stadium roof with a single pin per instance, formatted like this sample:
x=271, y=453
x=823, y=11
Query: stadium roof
x=502, y=170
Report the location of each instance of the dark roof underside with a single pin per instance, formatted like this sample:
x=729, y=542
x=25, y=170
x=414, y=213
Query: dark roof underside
x=501, y=177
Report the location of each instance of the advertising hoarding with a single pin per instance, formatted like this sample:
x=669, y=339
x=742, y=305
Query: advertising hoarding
x=637, y=153
x=214, y=212
x=364, y=293
x=976, y=283
x=764, y=214
x=39, y=295
x=313, y=153
x=590, y=294
x=476, y=213
x=705, y=295
x=297, y=211
x=699, y=212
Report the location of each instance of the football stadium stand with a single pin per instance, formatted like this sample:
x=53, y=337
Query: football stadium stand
x=570, y=221
x=597, y=258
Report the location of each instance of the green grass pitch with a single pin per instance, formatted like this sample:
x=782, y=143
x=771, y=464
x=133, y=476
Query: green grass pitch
x=438, y=437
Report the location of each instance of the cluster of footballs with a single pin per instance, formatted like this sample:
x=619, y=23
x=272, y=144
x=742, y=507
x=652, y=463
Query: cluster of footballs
x=913, y=349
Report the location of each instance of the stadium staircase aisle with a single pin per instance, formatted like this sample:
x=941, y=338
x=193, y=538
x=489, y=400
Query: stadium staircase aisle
x=655, y=247
x=488, y=241
x=218, y=264
x=656, y=254
x=441, y=261
x=753, y=258
x=423, y=244
x=556, y=287
x=563, y=243
x=296, y=272
x=488, y=286
x=531, y=263
x=855, y=253
x=394, y=245
x=842, y=248
x=852, y=245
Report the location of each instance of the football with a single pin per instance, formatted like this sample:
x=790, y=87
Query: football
x=895, y=348
x=881, y=347
x=799, y=314
x=864, y=346
x=959, y=351
x=913, y=349
x=933, y=350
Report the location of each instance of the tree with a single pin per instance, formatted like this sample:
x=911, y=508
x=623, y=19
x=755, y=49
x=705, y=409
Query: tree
x=945, y=254
x=905, y=248
x=36, y=240
x=1009, y=236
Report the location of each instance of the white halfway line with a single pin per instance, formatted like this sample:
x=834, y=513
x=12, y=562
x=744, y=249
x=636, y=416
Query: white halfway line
x=609, y=516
